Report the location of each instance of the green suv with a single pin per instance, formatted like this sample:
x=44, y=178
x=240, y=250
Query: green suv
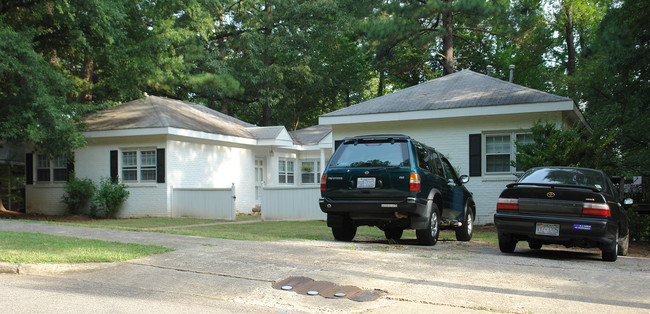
x=394, y=182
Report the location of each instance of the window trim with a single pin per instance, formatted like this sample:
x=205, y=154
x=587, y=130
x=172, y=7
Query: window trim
x=286, y=172
x=316, y=172
x=51, y=169
x=513, y=152
x=138, y=167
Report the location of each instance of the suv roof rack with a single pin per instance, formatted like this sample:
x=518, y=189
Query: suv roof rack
x=377, y=137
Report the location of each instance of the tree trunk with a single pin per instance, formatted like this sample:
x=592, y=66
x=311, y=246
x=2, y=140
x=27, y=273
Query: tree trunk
x=380, y=86
x=89, y=71
x=571, y=48
x=347, y=98
x=448, y=44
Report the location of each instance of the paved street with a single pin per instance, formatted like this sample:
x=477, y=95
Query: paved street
x=215, y=275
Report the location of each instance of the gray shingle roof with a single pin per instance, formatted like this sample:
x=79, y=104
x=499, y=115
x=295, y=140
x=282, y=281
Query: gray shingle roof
x=157, y=112
x=458, y=90
x=265, y=132
x=311, y=135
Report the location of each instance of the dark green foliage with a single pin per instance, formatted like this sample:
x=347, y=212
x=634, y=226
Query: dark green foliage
x=574, y=147
x=77, y=192
x=615, y=82
x=33, y=98
x=108, y=198
x=639, y=225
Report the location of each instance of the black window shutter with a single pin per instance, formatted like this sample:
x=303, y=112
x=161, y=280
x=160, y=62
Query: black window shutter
x=475, y=155
x=114, y=165
x=29, y=168
x=70, y=167
x=160, y=165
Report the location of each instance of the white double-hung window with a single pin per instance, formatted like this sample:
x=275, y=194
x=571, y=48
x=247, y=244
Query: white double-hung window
x=139, y=165
x=310, y=171
x=500, y=151
x=54, y=170
x=286, y=171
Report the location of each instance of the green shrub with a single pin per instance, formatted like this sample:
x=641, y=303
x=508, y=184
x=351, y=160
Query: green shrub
x=639, y=225
x=108, y=199
x=77, y=193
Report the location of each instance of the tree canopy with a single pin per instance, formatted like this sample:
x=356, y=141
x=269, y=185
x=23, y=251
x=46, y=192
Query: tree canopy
x=285, y=62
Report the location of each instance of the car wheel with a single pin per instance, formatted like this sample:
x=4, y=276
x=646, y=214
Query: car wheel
x=393, y=233
x=624, y=244
x=610, y=253
x=534, y=245
x=464, y=233
x=506, y=243
x=345, y=233
x=429, y=235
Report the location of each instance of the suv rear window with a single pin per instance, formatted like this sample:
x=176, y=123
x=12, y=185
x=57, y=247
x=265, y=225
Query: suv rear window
x=371, y=154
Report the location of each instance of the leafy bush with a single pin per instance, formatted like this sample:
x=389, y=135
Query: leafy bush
x=77, y=193
x=108, y=199
x=639, y=225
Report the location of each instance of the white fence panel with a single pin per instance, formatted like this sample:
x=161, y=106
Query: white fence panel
x=291, y=203
x=204, y=203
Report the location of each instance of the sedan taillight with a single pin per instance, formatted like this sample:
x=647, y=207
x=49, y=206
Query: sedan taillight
x=414, y=182
x=508, y=203
x=323, y=183
x=596, y=209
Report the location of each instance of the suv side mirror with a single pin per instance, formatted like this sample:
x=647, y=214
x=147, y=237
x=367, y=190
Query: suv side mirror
x=464, y=179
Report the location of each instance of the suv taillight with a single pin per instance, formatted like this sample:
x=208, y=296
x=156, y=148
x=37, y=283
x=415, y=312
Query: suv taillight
x=414, y=182
x=596, y=209
x=508, y=203
x=323, y=183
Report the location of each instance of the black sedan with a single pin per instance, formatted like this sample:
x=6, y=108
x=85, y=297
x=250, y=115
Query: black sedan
x=575, y=207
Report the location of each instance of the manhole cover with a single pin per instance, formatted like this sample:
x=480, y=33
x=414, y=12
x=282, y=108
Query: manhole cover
x=314, y=286
x=347, y=290
x=326, y=289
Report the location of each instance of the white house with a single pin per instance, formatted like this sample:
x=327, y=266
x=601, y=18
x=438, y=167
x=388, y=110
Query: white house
x=473, y=119
x=181, y=159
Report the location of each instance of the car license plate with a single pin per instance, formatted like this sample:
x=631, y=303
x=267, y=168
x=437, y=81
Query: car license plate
x=547, y=229
x=366, y=183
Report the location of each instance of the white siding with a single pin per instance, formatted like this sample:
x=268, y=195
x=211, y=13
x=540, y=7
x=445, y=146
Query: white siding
x=291, y=203
x=204, y=164
x=44, y=198
x=203, y=203
x=451, y=138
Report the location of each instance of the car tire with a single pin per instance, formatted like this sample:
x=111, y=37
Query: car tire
x=464, y=233
x=610, y=252
x=624, y=244
x=506, y=243
x=345, y=233
x=393, y=233
x=534, y=245
x=429, y=235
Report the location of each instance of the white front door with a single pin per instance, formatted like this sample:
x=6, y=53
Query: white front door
x=259, y=178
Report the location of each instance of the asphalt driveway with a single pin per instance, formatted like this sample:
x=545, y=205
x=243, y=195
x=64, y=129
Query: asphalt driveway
x=215, y=275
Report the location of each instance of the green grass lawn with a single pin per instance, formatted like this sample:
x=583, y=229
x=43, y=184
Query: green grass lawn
x=25, y=247
x=146, y=223
x=19, y=247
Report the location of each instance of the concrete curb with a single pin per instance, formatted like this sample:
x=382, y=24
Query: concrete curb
x=49, y=269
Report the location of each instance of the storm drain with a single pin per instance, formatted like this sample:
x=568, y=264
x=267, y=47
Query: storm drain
x=326, y=289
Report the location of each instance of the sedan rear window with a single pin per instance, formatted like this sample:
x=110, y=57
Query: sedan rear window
x=581, y=177
x=371, y=154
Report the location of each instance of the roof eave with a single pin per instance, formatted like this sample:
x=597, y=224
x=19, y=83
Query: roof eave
x=566, y=105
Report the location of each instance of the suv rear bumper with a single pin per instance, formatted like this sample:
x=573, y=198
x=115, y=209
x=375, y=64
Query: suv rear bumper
x=374, y=210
